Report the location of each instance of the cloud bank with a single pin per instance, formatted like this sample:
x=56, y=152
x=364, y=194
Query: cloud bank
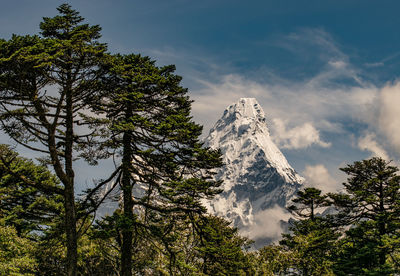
x=267, y=224
x=389, y=116
x=298, y=137
x=318, y=176
x=369, y=143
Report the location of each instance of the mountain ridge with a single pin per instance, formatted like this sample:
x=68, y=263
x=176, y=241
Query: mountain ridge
x=256, y=174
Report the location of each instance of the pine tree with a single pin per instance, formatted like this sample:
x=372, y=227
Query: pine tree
x=220, y=247
x=312, y=238
x=274, y=260
x=45, y=82
x=164, y=170
x=308, y=202
x=371, y=207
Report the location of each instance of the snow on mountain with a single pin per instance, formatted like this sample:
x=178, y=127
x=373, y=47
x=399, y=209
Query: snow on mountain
x=257, y=177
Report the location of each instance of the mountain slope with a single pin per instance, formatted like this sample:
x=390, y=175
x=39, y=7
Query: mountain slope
x=256, y=175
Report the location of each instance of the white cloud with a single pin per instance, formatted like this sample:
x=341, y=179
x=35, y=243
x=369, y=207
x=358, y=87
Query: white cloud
x=317, y=176
x=298, y=137
x=311, y=106
x=389, y=116
x=297, y=102
x=267, y=224
x=369, y=143
x=374, y=64
x=212, y=99
x=383, y=61
x=313, y=42
x=338, y=64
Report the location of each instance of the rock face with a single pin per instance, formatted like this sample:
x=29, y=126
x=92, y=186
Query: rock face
x=256, y=175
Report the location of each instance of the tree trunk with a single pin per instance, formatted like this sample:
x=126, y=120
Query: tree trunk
x=70, y=229
x=69, y=196
x=381, y=224
x=312, y=210
x=126, y=183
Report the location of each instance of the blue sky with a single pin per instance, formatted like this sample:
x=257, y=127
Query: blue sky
x=325, y=72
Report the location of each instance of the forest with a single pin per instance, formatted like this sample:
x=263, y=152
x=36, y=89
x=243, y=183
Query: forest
x=64, y=96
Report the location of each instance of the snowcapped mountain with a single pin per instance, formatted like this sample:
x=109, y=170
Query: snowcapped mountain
x=257, y=177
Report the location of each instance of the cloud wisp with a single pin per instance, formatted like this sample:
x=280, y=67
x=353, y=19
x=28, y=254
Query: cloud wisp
x=369, y=143
x=298, y=137
x=389, y=114
x=318, y=176
x=267, y=224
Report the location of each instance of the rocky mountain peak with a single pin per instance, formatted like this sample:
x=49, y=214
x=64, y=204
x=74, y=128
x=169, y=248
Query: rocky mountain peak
x=256, y=174
x=244, y=108
x=239, y=119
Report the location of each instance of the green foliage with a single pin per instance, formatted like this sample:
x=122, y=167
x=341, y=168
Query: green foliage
x=359, y=252
x=65, y=59
x=24, y=203
x=368, y=209
x=46, y=83
x=371, y=207
x=220, y=247
x=16, y=253
x=313, y=245
x=153, y=248
x=311, y=242
x=205, y=245
x=97, y=255
x=372, y=193
x=273, y=260
x=149, y=120
x=308, y=202
x=165, y=170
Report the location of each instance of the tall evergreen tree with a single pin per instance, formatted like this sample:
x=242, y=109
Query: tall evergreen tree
x=220, y=247
x=308, y=202
x=371, y=207
x=165, y=170
x=44, y=84
x=312, y=237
